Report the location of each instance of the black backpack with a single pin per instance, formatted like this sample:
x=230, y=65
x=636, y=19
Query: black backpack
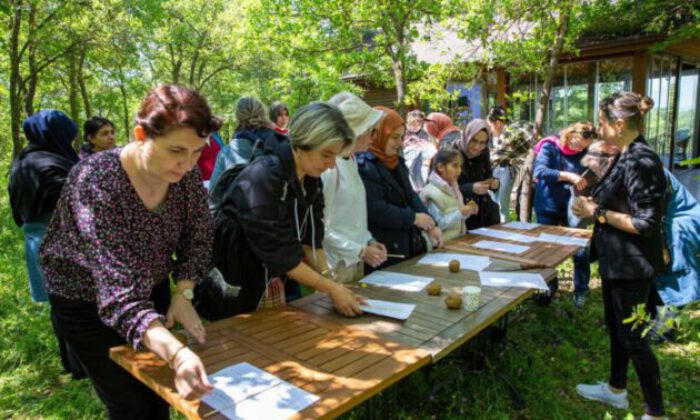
x=237, y=279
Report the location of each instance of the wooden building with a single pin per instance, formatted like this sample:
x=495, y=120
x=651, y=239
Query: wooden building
x=670, y=77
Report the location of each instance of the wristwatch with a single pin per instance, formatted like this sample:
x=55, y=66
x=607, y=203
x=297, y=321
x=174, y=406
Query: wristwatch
x=186, y=293
x=600, y=216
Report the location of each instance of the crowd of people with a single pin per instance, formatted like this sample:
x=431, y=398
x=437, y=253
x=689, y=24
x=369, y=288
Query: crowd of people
x=320, y=199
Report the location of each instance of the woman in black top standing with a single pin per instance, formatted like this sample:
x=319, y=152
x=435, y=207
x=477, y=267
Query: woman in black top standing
x=627, y=205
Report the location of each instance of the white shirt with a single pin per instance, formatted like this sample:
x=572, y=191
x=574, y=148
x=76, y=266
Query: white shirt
x=345, y=213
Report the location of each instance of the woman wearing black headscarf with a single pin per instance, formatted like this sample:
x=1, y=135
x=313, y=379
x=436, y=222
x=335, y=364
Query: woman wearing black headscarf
x=36, y=180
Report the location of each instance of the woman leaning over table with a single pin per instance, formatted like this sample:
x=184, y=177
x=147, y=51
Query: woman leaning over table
x=348, y=244
x=109, y=250
x=277, y=202
x=627, y=204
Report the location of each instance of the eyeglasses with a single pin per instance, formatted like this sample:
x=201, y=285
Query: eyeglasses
x=588, y=134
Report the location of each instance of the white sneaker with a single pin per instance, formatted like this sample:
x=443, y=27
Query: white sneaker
x=601, y=392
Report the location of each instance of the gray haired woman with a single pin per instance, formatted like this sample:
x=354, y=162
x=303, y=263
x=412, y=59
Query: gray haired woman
x=253, y=126
x=278, y=203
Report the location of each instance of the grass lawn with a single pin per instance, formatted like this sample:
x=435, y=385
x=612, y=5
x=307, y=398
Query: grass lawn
x=549, y=350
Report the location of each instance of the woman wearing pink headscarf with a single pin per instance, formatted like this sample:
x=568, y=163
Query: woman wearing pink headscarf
x=441, y=127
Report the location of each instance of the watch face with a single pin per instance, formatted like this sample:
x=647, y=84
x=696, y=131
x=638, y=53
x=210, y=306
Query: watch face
x=188, y=294
x=601, y=219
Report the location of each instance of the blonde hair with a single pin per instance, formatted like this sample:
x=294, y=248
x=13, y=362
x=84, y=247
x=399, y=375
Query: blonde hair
x=567, y=134
x=319, y=125
x=251, y=114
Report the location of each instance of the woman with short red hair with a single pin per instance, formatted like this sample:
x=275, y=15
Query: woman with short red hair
x=108, y=253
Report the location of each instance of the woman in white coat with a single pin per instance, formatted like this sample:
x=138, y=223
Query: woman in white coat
x=348, y=244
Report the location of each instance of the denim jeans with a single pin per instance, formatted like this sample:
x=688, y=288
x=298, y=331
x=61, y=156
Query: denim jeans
x=502, y=196
x=582, y=265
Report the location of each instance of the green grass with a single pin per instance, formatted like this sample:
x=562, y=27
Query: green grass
x=549, y=350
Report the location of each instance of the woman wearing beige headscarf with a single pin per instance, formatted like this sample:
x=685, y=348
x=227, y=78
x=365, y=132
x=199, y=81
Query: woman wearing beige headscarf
x=348, y=244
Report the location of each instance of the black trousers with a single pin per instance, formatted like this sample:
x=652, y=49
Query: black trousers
x=619, y=299
x=89, y=340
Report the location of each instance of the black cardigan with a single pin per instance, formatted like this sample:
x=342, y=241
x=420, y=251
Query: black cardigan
x=391, y=205
x=474, y=170
x=634, y=186
x=263, y=198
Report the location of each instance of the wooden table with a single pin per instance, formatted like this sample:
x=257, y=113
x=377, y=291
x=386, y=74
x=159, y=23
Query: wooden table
x=343, y=366
x=545, y=253
x=431, y=327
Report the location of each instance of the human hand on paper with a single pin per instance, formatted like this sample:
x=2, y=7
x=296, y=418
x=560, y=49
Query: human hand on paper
x=345, y=301
x=191, y=379
x=374, y=254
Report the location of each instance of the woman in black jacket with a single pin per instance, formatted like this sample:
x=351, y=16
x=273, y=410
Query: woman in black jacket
x=36, y=181
x=395, y=214
x=627, y=205
x=476, y=179
x=278, y=203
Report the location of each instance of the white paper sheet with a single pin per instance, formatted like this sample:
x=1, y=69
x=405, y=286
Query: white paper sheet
x=397, y=281
x=502, y=234
x=513, y=279
x=501, y=247
x=521, y=225
x=391, y=309
x=466, y=262
x=562, y=240
x=243, y=391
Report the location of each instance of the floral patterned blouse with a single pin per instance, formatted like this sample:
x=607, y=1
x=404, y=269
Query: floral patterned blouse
x=104, y=246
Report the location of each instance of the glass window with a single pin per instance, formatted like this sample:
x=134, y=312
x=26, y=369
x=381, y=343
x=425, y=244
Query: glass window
x=661, y=83
x=577, y=89
x=687, y=113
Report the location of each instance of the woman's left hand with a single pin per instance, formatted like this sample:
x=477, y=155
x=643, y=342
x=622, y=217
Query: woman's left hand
x=182, y=311
x=584, y=207
x=436, y=237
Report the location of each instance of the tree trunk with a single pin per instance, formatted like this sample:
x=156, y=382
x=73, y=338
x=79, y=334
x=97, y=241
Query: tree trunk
x=400, y=80
x=125, y=104
x=526, y=186
x=15, y=78
x=81, y=81
x=33, y=73
x=73, y=95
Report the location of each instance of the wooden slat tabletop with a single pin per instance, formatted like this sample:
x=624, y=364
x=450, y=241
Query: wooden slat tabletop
x=549, y=254
x=343, y=366
x=431, y=327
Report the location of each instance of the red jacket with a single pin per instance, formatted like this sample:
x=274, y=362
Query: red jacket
x=208, y=158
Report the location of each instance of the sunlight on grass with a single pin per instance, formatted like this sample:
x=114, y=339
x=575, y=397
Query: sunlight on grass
x=549, y=350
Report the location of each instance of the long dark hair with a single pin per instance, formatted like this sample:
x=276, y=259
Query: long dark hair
x=628, y=106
